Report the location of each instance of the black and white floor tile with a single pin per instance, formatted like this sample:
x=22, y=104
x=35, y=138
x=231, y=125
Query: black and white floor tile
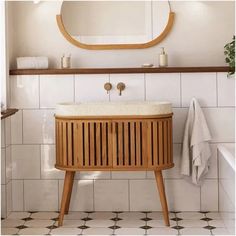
x=113, y=223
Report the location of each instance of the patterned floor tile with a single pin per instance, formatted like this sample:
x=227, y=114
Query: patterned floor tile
x=221, y=231
x=18, y=215
x=34, y=231
x=129, y=231
x=214, y=215
x=44, y=215
x=11, y=223
x=193, y=223
x=159, y=223
x=99, y=223
x=217, y=223
x=75, y=215
x=130, y=223
x=159, y=215
x=39, y=223
x=97, y=231
x=191, y=215
x=195, y=231
x=9, y=231
x=66, y=231
x=132, y=215
x=162, y=231
x=102, y=215
x=72, y=223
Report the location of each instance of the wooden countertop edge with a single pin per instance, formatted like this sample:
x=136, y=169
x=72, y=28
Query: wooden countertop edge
x=118, y=70
x=8, y=112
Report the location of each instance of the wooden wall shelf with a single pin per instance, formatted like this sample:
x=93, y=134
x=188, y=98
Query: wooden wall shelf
x=118, y=70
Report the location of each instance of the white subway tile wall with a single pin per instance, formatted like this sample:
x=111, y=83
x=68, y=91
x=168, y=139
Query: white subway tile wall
x=37, y=185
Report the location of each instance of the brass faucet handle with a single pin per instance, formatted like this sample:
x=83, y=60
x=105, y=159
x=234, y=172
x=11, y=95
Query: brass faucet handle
x=120, y=87
x=107, y=86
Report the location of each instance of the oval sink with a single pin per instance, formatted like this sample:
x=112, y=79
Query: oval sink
x=113, y=108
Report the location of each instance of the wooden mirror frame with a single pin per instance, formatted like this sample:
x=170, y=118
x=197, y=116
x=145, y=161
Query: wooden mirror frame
x=151, y=43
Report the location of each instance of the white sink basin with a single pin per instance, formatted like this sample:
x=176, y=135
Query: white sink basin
x=113, y=108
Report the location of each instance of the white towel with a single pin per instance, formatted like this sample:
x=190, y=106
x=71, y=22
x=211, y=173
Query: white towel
x=32, y=62
x=196, y=148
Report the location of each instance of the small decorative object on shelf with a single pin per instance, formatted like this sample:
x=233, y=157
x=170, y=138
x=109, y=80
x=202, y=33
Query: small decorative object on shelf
x=65, y=62
x=163, y=58
x=230, y=56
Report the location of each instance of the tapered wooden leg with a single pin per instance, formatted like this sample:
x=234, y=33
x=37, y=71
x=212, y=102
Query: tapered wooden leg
x=69, y=193
x=161, y=189
x=65, y=194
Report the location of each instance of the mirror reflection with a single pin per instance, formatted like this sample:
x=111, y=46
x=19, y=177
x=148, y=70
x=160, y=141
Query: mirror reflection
x=115, y=22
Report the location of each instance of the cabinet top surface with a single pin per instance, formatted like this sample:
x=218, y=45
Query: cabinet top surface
x=118, y=70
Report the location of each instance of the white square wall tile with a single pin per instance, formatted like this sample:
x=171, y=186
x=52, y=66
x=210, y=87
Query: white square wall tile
x=182, y=195
x=226, y=90
x=3, y=143
x=41, y=195
x=17, y=195
x=212, y=173
x=91, y=88
x=94, y=174
x=199, y=85
x=9, y=197
x=3, y=166
x=128, y=174
x=25, y=161
x=38, y=126
x=24, y=91
x=163, y=87
x=8, y=131
x=56, y=89
x=209, y=195
x=175, y=171
x=179, y=119
x=221, y=122
x=3, y=201
x=16, y=128
x=134, y=87
x=82, y=195
x=144, y=195
x=111, y=195
x=48, y=160
x=8, y=164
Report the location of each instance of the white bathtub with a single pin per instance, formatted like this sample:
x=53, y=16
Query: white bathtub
x=226, y=158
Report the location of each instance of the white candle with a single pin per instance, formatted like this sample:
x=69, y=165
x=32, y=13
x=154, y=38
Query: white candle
x=163, y=59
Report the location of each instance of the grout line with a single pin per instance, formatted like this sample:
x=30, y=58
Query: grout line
x=40, y=159
x=93, y=194
x=74, y=88
x=39, y=79
x=23, y=195
x=145, y=88
x=201, y=198
x=58, y=195
x=129, y=194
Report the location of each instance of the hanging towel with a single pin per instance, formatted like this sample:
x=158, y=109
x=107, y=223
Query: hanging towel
x=196, y=148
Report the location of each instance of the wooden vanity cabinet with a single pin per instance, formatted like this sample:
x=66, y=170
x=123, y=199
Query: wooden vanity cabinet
x=113, y=143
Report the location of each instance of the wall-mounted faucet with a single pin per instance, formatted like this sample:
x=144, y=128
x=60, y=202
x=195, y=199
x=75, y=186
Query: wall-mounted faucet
x=120, y=87
x=107, y=87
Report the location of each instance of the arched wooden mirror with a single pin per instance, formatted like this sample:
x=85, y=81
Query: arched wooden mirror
x=115, y=24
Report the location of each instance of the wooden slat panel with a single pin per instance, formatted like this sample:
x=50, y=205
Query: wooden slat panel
x=160, y=138
x=144, y=144
x=126, y=142
x=115, y=156
x=110, y=144
x=69, y=143
x=60, y=143
x=120, y=143
x=57, y=142
x=132, y=144
x=155, y=144
x=104, y=144
x=64, y=137
x=91, y=146
x=86, y=143
x=76, y=145
x=165, y=140
x=80, y=144
x=138, y=144
x=98, y=144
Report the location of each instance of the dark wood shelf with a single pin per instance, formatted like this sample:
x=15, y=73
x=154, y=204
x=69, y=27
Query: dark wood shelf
x=8, y=112
x=118, y=70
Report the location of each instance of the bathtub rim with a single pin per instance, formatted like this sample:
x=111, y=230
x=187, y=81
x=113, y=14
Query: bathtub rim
x=227, y=154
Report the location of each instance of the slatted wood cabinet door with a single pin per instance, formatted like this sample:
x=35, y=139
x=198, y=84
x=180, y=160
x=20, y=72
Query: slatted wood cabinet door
x=114, y=143
x=84, y=144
